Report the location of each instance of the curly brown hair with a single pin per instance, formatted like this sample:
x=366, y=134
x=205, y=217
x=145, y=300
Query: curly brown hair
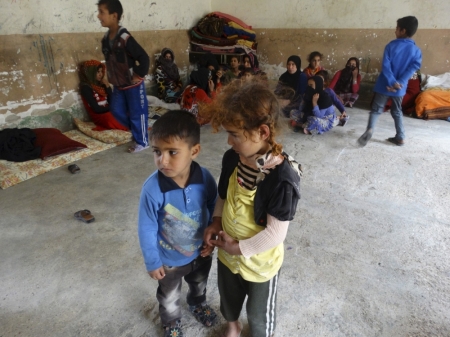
x=246, y=105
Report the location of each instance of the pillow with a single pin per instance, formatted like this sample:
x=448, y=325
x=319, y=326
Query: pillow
x=106, y=136
x=53, y=143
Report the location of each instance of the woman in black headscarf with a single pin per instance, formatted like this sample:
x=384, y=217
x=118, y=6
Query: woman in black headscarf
x=345, y=82
x=318, y=110
x=168, y=77
x=292, y=84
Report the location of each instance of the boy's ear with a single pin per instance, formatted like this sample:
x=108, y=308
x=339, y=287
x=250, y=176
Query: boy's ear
x=195, y=151
x=264, y=131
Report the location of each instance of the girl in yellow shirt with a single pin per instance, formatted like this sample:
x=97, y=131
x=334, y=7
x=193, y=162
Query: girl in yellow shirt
x=258, y=195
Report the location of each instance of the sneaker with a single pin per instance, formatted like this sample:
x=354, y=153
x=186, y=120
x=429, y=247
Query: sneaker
x=365, y=137
x=137, y=148
x=174, y=330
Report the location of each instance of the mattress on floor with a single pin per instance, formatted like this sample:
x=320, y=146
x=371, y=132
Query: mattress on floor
x=12, y=173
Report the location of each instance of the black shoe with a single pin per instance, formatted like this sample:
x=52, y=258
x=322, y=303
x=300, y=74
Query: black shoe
x=398, y=142
x=365, y=137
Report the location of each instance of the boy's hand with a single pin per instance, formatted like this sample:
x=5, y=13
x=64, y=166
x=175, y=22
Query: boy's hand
x=207, y=250
x=227, y=243
x=315, y=98
x=397, y=85
x=136, y=79
x=391, y=89
x=212, y=231
x=157, y=274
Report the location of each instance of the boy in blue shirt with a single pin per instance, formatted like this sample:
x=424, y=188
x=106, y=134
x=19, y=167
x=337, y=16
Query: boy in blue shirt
x=176, y=206
x=127, y=64
x=401, y=59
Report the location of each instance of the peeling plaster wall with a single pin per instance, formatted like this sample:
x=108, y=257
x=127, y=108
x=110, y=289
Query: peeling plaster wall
x=340, y=14
x=42, y=42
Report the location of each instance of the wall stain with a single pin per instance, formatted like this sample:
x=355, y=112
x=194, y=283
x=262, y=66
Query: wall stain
x=45, y=54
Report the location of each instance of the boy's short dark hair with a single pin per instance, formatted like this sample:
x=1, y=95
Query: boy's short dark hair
x=113, y=6
x=409, y=24
x=177, y=124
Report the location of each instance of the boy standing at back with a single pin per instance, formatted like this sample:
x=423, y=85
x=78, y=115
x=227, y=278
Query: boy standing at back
x=401, y=59
x=126, y=63
x=176, y=206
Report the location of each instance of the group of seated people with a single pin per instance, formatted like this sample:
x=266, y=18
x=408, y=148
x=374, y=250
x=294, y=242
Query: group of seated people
x=308, y=97
x=311, y=104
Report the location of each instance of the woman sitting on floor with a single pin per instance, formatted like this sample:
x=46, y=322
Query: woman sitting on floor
x=168, y=77
x=200, y=90
x=345, y=82
x=314, y=59
x=94, y=90
x=317, y=114
x=295, y=81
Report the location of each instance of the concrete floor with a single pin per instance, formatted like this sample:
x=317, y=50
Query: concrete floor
x=367, y=254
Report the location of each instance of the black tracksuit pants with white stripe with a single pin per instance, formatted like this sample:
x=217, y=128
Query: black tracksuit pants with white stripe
x=261, y=302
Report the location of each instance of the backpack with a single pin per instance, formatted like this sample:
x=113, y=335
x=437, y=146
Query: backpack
x=119, y=73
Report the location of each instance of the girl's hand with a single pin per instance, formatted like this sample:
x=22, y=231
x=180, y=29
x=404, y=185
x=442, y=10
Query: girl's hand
x=157, y=274
x=211, y=85
x=315, y=98
x=212, y=231
x=355, y=73
x=207, y=250
x=227, y=243
x=219, y=74
x=343, y=115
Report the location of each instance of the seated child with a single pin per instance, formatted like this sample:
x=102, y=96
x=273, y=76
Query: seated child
x=95, y=91
x=176, y=205
x=317, y=114
x=314, y=59
x=246, y=74
x=200, y=90
x=346, y=82
x=233, y=72
x=251, y=61
x=168, y=77
x=343, y=118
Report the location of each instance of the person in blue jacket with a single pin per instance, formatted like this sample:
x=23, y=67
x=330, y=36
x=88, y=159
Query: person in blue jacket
x=401, y=59
x=176, y=206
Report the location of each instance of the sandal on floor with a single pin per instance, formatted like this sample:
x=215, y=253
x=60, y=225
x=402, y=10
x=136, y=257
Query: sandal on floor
x=173, y=330
x=85, y=216
x=74, y=169
x=204, y=314
x=137, y=148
